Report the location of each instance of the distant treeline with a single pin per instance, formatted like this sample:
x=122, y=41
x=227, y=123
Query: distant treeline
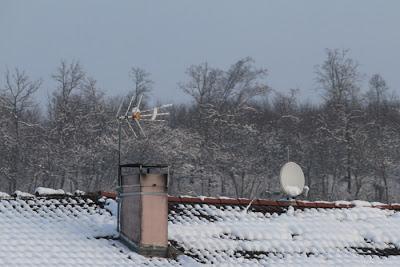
x=230, y=140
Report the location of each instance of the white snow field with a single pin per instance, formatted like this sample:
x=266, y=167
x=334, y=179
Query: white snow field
x=75, y=231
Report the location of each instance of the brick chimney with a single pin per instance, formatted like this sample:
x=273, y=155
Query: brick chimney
x=143, y=209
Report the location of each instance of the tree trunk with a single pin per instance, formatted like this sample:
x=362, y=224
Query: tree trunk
x=223, y=185
x=385, y=182
x=235, y=185
x=242, y=182
x=348, y=169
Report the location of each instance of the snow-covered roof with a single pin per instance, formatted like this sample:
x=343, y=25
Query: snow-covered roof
x=75, y=230
x=62, y=231
x=226, y=234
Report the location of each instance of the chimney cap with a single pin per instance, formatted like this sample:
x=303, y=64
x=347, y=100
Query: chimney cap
x=144, y=166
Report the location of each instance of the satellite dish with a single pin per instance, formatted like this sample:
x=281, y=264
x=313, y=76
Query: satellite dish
x=292, y=179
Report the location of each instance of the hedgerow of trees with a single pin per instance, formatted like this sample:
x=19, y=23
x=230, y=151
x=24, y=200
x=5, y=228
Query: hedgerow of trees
x=230, y=140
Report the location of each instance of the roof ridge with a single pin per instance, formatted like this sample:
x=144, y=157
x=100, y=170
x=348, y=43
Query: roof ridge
x=301, y=204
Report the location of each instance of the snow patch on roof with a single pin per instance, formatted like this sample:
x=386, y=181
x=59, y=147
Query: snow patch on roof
x=361, y=203
x=4, y=195
x=43, y=191
x=23, y=194
x=112, y=206
x=342, y=202
x=375, y=203
x=79, y=193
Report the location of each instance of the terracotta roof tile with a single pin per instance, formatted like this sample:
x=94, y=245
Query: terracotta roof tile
x=306, y=204
x=395, y=206
x=229, y=201
x=211, y=200
x=265, y=202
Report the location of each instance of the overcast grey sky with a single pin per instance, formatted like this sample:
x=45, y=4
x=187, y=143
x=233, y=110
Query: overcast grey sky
x=165, y=37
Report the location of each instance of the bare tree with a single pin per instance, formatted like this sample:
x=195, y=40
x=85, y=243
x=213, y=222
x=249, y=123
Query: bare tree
x=339, y=78
x=142, y=84
x=380, y=146
x=64, y=125
x=221, y=98
x=17, y=100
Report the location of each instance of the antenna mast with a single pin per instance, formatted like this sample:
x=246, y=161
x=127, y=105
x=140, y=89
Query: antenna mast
x=132, y=117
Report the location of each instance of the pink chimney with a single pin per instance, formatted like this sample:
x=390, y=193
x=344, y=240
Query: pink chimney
x=143, y=208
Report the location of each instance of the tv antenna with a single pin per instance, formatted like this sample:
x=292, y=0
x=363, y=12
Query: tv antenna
x=133, y=116
x=292, y=180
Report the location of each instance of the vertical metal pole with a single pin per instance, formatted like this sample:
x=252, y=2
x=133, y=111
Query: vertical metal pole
x=119, y=148
x=119, y=176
